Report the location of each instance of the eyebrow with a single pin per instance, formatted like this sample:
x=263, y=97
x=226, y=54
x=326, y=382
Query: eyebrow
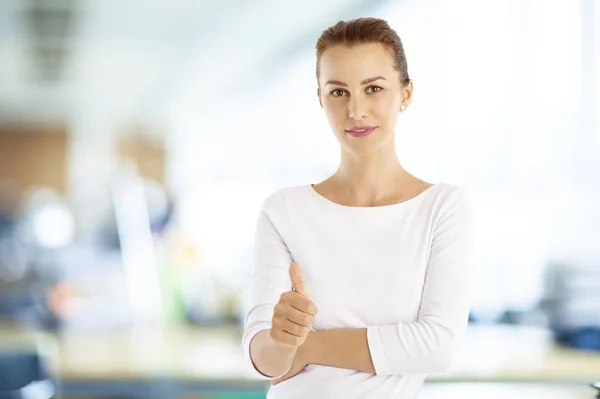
x=364, y=82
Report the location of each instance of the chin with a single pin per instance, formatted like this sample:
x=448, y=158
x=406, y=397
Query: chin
x=364, y=146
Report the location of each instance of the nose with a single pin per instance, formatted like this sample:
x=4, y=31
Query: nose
x=357, y=108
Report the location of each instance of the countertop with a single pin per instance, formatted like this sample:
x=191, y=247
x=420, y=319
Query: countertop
x=491, y=354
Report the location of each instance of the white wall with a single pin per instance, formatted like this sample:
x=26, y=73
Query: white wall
x=498, y=107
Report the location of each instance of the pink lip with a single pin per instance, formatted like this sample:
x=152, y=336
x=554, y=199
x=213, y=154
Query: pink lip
x=361, y=131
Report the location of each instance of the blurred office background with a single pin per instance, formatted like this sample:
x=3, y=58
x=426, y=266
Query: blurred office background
x=138, y=139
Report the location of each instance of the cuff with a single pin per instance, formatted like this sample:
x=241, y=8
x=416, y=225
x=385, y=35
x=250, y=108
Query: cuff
x=249, y=336
x=377, y=350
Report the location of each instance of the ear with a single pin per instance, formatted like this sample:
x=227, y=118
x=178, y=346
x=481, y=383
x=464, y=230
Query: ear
x=407, y=94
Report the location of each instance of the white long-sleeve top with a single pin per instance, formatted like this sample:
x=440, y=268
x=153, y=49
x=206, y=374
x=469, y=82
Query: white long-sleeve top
x=401, y=271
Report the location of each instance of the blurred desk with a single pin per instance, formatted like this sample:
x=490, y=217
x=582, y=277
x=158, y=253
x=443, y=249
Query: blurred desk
x=503, y=353
x=145, y=362
x=159, y=362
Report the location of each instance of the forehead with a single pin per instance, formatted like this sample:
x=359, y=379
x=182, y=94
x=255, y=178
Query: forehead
x=352, y=64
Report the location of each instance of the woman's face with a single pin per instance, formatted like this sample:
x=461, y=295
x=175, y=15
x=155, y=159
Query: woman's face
x=361, y=93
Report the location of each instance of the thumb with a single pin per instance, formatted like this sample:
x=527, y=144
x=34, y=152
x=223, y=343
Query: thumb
x=298, y=283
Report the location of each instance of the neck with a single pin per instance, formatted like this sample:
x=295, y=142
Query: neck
x=370, y=178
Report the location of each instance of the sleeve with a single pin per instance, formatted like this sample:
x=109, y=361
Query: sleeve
x=429, y=344
x=269, y=279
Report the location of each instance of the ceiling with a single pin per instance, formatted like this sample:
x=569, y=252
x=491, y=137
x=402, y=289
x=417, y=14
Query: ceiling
x=138, y=60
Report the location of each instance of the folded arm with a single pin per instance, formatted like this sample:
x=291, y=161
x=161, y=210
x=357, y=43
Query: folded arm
x=428, y=344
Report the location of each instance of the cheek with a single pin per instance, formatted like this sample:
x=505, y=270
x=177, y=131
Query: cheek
x=334, y=110
x=385, y=108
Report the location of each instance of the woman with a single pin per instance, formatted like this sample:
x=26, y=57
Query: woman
x=359, y=286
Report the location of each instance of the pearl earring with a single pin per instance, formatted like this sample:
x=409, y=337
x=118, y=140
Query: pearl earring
x=402, y=107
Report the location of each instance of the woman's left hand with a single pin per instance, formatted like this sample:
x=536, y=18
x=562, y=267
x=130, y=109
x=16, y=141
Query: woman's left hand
x=297, y=367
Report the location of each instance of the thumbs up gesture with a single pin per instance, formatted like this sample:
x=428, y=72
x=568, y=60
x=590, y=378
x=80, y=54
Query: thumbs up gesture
x=295, y=312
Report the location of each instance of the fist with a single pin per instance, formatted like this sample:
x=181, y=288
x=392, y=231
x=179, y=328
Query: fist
x=294, y=314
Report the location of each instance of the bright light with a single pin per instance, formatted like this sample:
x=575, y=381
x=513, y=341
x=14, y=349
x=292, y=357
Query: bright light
x=53, y=226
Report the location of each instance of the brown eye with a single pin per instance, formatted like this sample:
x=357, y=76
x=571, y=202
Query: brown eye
x=337, y=93
x=373, y=89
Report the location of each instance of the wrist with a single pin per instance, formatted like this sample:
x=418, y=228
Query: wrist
x=290, y=351
x=306, y=350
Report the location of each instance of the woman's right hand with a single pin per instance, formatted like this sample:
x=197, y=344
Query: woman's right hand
x=294, y=314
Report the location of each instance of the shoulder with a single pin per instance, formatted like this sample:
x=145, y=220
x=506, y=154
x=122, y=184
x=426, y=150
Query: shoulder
x=278, y=200
x=452, y=202
x=448, y=192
